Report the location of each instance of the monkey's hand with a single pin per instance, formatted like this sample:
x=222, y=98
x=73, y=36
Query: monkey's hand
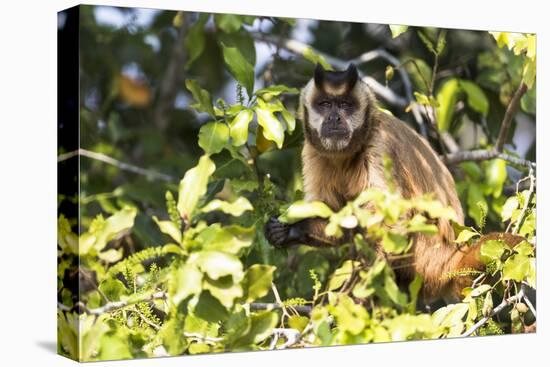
x=281, y=234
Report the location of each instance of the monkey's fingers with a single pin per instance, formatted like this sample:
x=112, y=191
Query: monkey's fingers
x=276, y=232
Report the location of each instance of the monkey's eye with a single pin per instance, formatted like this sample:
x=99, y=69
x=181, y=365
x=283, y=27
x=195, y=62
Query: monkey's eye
x=325, y=104
x=344, y=105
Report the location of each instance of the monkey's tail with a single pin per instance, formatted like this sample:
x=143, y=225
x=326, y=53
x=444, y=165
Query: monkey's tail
x=470, y=262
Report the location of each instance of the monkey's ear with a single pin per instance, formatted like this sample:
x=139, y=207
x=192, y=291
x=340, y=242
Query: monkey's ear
x=352, y=75
x=319, y=75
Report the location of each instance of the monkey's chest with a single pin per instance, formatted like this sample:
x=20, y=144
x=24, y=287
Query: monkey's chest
x=334, y=185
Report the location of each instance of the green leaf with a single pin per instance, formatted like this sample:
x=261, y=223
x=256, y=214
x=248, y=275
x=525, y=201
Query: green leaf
x=272, y=128
x=231, y=239
x=228, y=22
x=210, y=309
x=397, y=29
x=315, y=58
x=477, y=204
x=239, y=67
x=427, y=42
x=261, y=328
x=447, y=97
x=185, y=281
x=195, y=40
x=298, y=322
x=275, y=90
x=341, y=275
x=508, y=208
x=239, y=127
x=112, y=288
x=491, y=250
x=257, y=281
x=524, y=248
x=394, y=243
x=414, y=290
x=201, y=96
x=111, y=255
x=220, y=264
x=305, y=209
x=289, y=119
x=476, y=98
x=495, y=173
x=213, y=137
x=466, y=235
x=482, y=289
x=102, y=231
x=516, y=268
x=224, y=290
x=168, y=227
x=236, y=208
x=349, y=316
x=193, y=186
x=529, y=73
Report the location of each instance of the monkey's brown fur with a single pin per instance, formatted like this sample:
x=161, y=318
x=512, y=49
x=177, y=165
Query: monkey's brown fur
x=335, y=176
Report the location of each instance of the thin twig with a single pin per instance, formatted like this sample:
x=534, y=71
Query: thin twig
x=203, y=338
x=258, y=306
x=171, y=80
x=292, y=336
x=496, y=310
x=115, y=162
x=110, y=306
x=508, y=116
x=523, y=213
x=483, y=155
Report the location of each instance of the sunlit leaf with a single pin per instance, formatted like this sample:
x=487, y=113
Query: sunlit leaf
x=272, y=128
x=228, y=22
x=475, y=97
x=202, y=97
x=168, y=227
x=516, y=268
x=186, y=281
x=213, y=137
x=195, y=39
x=239, y=67
x=257, y=281
x=193, y=186
x=447, y=97
x=235, y=208
x=305, y=209
x=239, y=127
x=397, y=29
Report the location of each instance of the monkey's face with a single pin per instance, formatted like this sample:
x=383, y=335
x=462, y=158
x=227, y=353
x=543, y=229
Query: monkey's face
x=333, y=108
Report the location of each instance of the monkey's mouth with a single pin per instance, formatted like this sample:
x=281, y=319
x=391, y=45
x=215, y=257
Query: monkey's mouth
x=334, y=132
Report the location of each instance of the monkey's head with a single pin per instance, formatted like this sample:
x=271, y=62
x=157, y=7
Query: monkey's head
x=333, y=107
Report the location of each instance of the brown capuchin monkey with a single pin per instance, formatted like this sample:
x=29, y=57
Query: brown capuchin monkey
x=346, y=140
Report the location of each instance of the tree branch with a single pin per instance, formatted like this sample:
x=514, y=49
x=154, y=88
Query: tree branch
x=114, y=162
x=496, y=310
x=523, y=213
x=304, y=310
x=511, y=111
x=110, y=306
x=172, y=77
x=483, y=155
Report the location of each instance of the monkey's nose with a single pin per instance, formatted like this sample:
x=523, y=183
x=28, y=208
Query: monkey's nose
x=334, y=117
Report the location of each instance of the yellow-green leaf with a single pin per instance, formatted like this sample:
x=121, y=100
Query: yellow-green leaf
x=239, y=127
x=235, y=208
x=193, y=186
x=305, y=209
x=213, y=137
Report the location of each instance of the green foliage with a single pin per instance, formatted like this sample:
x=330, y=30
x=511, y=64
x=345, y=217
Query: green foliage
x=180, y=274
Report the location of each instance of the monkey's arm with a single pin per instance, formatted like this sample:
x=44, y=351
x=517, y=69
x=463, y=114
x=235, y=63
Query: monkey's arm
x=309, y=232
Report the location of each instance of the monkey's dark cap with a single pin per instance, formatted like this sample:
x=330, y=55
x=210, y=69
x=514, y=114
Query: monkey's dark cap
x=346, y=77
